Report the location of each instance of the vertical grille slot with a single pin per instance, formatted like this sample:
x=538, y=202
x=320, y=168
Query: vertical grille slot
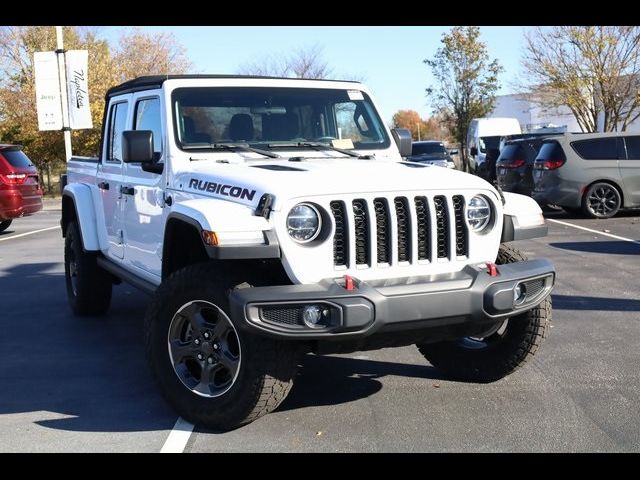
x=461, y=227
x=442, y=226
x=340, y=239
x=383, y=232
x=404, y=229
x=422, y=214
x=361, y=227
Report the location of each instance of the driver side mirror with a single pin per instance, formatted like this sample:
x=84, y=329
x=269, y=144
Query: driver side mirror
x=453, y=152
x=137, y=146
x=402, y=137
x=473, y=151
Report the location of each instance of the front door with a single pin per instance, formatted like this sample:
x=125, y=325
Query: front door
x=110, y=176
x=143, y=201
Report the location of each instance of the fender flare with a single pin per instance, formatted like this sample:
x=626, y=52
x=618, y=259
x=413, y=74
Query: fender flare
x=85, y=214
x=224, y=216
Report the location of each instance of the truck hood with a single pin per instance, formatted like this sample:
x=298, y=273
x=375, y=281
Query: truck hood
x=246, y=182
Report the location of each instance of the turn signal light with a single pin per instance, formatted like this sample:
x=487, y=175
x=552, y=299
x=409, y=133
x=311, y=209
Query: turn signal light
x=210, y=238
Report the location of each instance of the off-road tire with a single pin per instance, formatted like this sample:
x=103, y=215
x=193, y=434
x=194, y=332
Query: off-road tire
x=267, y=366
x=520, y=340
x=5, y=224
x=93, y=285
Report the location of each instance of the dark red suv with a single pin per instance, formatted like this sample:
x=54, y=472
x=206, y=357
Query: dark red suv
x=20, y=192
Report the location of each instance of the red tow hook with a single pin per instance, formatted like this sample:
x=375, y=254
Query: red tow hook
x=493, y=270
x=348, y=283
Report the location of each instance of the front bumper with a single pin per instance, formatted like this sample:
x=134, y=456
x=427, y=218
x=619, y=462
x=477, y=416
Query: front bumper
x=471, y=296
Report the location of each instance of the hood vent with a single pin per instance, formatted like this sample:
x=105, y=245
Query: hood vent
x=280, y=168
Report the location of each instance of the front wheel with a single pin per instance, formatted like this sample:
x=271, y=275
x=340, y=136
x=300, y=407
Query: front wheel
x=500, y=349
x=213, y=373
x=4, y=225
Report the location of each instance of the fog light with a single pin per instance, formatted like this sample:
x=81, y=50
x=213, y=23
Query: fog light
x=519, y=294
x=312, y=315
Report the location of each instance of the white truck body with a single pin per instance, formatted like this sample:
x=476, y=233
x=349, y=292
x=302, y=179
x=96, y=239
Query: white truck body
x=266, y=216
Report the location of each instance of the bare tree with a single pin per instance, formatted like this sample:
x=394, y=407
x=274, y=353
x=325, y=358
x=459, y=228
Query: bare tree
x=593, y=70
x=466, y=82
x=305, y=62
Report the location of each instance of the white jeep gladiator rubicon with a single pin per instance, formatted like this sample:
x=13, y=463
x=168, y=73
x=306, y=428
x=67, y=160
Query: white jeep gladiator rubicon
x=271, y=217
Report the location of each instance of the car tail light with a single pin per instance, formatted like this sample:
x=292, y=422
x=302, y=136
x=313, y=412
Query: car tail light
x=517, y=163
x=13, y=178
x=548, y=164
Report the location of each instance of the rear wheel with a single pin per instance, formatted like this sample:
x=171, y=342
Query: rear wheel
x=88, y=286
x=212, y=372
x=498, y=350
x=601, y=200
x=4, y=225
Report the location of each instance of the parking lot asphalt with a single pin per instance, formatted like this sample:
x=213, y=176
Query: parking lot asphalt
x=69, y=384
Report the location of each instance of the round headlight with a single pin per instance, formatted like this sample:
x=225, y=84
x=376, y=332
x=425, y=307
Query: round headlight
x=478, y=213
x=303, y=223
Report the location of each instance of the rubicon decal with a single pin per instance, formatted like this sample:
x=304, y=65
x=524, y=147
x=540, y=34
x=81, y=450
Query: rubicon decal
x=222, y=189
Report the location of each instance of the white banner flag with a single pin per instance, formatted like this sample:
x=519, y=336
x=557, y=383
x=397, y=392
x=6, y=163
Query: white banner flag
x=79, y=111
x=48, y=102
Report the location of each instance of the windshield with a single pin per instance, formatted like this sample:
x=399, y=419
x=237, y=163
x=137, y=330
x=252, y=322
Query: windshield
x=264, y=117
x=427, y=148
x=489, y=142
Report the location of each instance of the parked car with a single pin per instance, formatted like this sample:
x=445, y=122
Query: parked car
x=20, y=192
x=514, y=168
x=484, y=134
x=432, y=152
x=596, y=173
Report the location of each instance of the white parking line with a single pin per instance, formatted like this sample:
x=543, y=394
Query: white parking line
x=28, y=233
x=178, y=438
x=617, y=237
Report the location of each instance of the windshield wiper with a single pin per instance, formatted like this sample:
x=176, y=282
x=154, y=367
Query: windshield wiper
x=319, y=147
x=232, y=147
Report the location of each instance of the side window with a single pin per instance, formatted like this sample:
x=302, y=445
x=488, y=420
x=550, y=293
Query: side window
x=117, y=125
x=597, y=149
x=633, y=147
x=147, y=117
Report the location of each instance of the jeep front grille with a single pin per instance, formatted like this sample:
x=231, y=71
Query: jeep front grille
x=361, y=227
x=407, y=230
x=340, y=242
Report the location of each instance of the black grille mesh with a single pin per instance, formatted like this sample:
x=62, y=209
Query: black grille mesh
x=533, y=288
x=404, y=229
x=461, y=226
x=422, y=215
x=288, y=316
x=361, y=227
x=442, y=225
x=340, y=242
x=383, y=237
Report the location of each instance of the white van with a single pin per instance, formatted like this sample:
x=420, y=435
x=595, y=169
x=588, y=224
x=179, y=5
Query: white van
x=485, y=133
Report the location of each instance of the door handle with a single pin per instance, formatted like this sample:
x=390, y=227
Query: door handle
x=127, y=190
x=103, y=186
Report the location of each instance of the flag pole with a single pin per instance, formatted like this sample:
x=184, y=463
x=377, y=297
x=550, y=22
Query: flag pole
x=62, y=73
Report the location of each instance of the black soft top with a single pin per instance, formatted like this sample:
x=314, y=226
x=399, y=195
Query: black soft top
x=151, y=82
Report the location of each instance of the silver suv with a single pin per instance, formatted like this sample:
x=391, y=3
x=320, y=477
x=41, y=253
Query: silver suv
x=594, y=173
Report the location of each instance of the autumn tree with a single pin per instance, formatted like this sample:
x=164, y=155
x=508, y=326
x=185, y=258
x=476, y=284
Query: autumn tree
x=466, y=81
x=137, y=54
x=305, y=62
x=421, y=129
x=595, y=71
